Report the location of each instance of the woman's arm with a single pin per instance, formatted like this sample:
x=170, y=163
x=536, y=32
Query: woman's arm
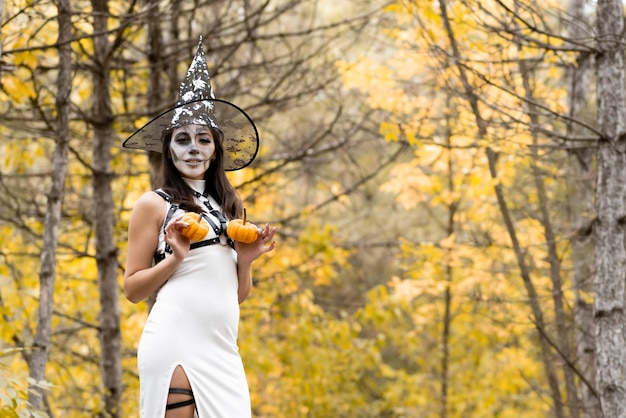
x=141, y=278
x=247, y=253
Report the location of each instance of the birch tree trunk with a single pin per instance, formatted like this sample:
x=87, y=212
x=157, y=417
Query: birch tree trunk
x=106, y=250
x=610, y=253
x=41, y=344
x=580, y=203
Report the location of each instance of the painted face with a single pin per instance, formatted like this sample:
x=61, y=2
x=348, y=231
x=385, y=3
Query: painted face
x=192, y=148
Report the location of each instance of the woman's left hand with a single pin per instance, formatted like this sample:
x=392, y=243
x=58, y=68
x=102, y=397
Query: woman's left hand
x=247, y=253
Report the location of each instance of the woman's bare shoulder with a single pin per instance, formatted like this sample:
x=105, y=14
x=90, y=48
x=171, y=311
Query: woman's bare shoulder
x=150, y=206
x=151, y=198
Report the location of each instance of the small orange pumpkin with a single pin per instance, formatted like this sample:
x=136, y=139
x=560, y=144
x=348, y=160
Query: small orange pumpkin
x=242, y=231
x=198, y=227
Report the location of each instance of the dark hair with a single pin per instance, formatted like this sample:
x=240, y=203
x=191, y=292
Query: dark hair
x=217, y=184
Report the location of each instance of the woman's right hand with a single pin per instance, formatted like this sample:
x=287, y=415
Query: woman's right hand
x=142, y=277
x=175, y=238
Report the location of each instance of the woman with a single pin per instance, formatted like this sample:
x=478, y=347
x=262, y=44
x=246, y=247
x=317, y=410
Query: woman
x=188, y=359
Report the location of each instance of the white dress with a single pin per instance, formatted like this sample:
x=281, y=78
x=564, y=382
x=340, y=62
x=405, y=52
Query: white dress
x=194, y=324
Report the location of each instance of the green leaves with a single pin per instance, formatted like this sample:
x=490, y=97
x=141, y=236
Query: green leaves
x=14, y=390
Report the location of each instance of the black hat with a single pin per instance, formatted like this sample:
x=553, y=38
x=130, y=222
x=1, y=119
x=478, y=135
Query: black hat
x=197, y=104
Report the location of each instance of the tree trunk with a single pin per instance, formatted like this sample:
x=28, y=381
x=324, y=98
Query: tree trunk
x=160, y=67
x=1, y=61
x=581, y=212
x=564, y=341
x=106, y=251
x=533, y=299
x=492, y=157
x=41, y=344
x=156, y=63
x=447, y=316
x=610, y=253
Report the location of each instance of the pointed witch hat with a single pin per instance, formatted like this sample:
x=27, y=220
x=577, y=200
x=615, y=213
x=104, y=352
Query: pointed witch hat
x=197, y=104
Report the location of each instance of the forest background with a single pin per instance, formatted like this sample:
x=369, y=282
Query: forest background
x=448, y=180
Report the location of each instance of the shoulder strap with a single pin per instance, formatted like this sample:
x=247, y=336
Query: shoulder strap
x=164, y=195
x=173, y=208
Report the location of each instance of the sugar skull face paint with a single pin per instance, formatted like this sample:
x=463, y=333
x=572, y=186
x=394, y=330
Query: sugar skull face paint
x=192, y=148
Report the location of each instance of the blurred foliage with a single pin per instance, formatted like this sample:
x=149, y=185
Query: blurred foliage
x=382, y=194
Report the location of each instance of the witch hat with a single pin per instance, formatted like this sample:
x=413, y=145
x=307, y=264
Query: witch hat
x=197, y=104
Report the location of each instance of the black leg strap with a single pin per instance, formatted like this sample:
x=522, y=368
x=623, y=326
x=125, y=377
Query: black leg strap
x=183, y=403
x=181, y=391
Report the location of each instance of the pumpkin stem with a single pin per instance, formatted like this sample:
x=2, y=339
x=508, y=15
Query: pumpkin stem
x=244, y=216
x=199, y=217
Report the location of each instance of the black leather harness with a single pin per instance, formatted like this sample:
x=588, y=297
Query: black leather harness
x=218, y=229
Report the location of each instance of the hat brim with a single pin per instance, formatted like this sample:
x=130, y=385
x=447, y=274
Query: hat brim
x=241, y=138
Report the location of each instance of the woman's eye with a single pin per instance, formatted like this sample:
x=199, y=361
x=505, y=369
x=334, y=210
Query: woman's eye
x=182, y=139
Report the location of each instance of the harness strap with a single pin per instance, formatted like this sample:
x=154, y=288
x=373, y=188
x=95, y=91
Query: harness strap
x=173, y=208
x=164, y=195
x=204, y=243
x=181, y=391
x=216, y=228
x=158, y=257
x=204, y=198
